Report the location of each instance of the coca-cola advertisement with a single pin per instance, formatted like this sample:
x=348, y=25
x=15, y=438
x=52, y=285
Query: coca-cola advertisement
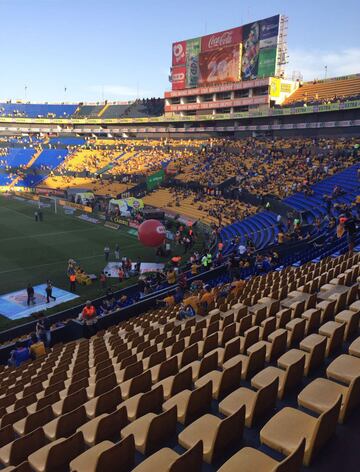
x=220, y=66
x=178, y=77
x=222, y=39
x=179, y=53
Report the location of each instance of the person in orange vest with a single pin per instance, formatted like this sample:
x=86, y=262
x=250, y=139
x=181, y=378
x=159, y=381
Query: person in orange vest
x=88, y=316
x=72, y=278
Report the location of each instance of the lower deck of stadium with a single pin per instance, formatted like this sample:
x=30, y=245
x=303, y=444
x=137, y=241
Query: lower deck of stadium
x=270, y=358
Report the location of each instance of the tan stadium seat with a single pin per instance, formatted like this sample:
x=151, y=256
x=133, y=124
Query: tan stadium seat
x=33, y=421
x=150, y=431
x=289, y=426
x=23, y=467
x=312, y=318
x=351, y=320
x=104, y=427
x=354, y=348
x=223, y=382
x=257, y=403
x=244, y=324
x=314, y=348
x=201, y=367
x=165, y=369
x=295, y=331
x=167, y=460
x=250, y=364
x=129, y=372
x=251, y=336
x=190, y=354
x=344, y=369
x=217, y=435
x=65, y=425
x=210, y=343
x=249, y=459
x=143, y=403
x=13, y=417
x=283, y=317
x=70, y=402
x=334, y=333
x=17, y=451
x=6, y=435
x=140, y=383
x=321, y=393
x=104, y=456
x=327, y=308
x=275, y=346
x=101, y=386
x=191, y=404
x=231, y=349
x=43, y=402
x=105, y=403
x=58, y=454
x=176, y=383
x=267, y=327
x=288, y=379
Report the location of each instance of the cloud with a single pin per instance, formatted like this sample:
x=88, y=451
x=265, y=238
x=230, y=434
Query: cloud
x=120, y=91
x=312, y=63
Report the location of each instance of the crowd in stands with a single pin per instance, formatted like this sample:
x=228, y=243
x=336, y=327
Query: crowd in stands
x=312, y=101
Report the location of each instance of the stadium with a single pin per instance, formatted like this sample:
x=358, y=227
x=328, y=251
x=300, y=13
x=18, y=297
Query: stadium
x=179, y=276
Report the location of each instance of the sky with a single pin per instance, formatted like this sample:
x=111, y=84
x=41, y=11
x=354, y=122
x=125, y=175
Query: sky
x=91, y=50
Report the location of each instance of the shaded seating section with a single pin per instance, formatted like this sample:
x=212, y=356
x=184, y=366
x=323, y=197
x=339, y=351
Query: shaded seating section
x=217, y=391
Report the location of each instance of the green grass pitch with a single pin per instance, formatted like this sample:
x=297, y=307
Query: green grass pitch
x=32, y=252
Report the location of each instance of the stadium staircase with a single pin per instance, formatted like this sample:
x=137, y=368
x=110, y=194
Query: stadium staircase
x=103, y=110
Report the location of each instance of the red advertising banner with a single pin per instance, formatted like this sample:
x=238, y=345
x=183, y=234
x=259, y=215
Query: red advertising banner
x=179, y=53
x=222, y=39
x=178, y=77
x=220, y=66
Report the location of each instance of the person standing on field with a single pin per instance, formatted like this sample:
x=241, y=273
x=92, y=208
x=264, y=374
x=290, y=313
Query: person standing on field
x=30, y=294
x=106, y=253
x=117, y=252
x=48, y=290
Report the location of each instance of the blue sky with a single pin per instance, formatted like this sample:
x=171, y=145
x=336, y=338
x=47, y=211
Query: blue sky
x=117, y=50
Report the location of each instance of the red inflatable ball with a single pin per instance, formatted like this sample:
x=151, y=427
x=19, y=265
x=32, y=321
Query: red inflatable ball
x=151, y=233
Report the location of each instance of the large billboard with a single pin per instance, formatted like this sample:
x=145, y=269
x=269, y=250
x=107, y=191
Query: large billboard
x=242, y=53
x=220, y=65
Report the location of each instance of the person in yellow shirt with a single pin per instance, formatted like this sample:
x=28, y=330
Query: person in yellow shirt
x=207, y=298
x=37, y=348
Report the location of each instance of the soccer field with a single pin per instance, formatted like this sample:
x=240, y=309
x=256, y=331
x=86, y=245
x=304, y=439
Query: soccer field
x=32, y=252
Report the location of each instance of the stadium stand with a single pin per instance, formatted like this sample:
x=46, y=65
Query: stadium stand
x=33, y=110
x=211, y=391
x=326, y=91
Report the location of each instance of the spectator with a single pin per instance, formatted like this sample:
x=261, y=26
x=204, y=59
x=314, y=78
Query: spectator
x=88, y=316
x=43, y=330
x=19, y=355
x=37, y=347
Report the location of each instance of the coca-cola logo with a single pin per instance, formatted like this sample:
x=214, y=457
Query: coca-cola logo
x=218, y=41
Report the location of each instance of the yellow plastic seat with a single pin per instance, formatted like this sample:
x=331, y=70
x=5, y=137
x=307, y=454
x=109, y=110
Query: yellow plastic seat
x=289, y=426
